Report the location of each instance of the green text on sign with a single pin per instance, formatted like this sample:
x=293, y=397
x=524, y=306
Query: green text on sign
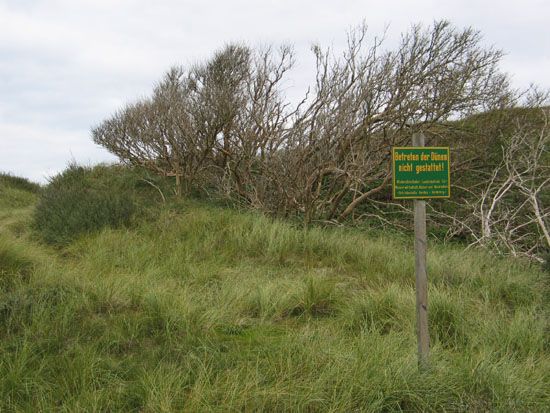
x=421, y=172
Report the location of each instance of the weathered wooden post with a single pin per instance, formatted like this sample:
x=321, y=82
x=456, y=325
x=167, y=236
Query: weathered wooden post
x=420, y=245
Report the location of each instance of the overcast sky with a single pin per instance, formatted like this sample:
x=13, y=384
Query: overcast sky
x=65, y=65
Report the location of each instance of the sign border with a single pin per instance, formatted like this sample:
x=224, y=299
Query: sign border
x=447, y=148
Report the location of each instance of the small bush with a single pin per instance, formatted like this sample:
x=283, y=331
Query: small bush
x=78, y=201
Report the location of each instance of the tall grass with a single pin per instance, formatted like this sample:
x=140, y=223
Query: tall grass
x=16, y=192
x=210, y=309
x=16, y=182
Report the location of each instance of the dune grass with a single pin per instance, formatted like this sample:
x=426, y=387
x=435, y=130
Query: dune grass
x=201, y=308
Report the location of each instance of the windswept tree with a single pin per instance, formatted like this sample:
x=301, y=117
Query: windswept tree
x=207, y=124
x=371, y=99
x=155, y=133
x=226, y=123
x=184, y=128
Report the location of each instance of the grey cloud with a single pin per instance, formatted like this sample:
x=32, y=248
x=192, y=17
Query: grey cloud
x=66, y=65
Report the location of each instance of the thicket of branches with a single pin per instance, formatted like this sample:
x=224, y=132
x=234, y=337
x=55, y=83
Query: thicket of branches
x=503, y=192
x=226, y=125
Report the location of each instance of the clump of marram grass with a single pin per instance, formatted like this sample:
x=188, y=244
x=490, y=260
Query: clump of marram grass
x=13, y=258
x=315, y=298
x=15, y=264
x=380, y=311
x=448, y=319
x=521, y=336
x=278, y=300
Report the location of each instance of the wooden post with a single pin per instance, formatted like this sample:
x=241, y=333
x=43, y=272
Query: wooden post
x=420, y=244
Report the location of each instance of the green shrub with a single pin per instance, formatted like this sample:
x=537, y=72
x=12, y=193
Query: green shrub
x=81, y=200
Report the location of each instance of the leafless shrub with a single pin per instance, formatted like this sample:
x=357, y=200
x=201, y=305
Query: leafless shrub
x=370, y=99
x=502, y=199
x=513, y=208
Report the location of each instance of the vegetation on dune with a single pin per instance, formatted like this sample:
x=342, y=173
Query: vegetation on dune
x=16, y=192
x=16, y=182
x=227, y=124
x=72, y=205
x=204, y=308
x=119, y=294
x=82, y=200
x=225, y=128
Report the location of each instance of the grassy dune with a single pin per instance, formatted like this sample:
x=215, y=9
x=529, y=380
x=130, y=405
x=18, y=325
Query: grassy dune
x=201, y=308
